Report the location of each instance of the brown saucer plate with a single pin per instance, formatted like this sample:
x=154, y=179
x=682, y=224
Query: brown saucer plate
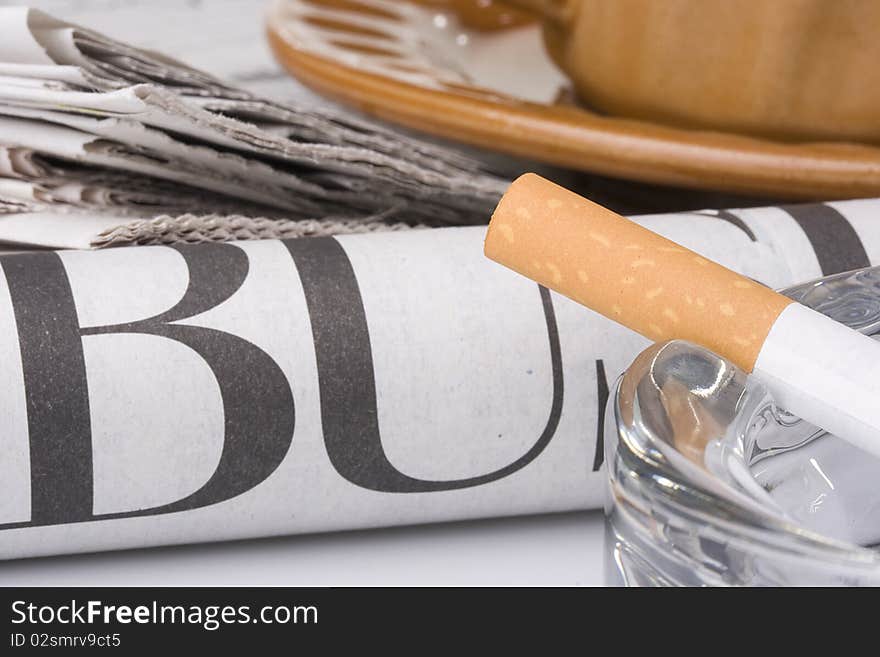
x=476, y=72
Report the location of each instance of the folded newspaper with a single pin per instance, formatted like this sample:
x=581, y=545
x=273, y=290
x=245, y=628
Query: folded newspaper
x=105, y=144
x=186, y=393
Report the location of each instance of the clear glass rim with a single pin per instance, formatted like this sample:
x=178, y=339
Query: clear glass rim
x=647, y=471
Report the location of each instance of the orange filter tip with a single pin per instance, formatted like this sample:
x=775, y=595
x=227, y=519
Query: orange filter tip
x=628, y=273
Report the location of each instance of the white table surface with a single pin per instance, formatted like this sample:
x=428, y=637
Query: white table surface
x=550, y=550
x=225, y=37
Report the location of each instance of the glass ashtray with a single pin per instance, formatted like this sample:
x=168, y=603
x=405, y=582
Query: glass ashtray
x=711, y=484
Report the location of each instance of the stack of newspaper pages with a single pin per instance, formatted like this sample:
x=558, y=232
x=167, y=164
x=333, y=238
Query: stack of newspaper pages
x=105, y=144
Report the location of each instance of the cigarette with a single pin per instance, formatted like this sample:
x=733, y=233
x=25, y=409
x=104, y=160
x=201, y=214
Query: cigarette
x=816, y=368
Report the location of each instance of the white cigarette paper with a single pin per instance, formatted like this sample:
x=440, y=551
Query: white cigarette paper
x=825, y=373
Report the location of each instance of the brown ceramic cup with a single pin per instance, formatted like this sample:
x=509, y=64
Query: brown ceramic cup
x=786, y=69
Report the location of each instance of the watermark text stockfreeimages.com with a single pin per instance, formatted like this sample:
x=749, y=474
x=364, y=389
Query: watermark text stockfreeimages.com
x=209, y=617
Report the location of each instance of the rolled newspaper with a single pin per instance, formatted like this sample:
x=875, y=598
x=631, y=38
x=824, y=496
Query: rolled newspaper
x=179, y=394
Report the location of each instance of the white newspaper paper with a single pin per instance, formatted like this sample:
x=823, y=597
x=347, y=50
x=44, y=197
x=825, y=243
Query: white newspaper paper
x=178, y=394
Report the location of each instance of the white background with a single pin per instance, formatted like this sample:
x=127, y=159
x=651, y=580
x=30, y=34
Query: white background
x=557, y=550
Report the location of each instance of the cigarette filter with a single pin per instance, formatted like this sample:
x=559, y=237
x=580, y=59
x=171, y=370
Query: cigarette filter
x=815, y=367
